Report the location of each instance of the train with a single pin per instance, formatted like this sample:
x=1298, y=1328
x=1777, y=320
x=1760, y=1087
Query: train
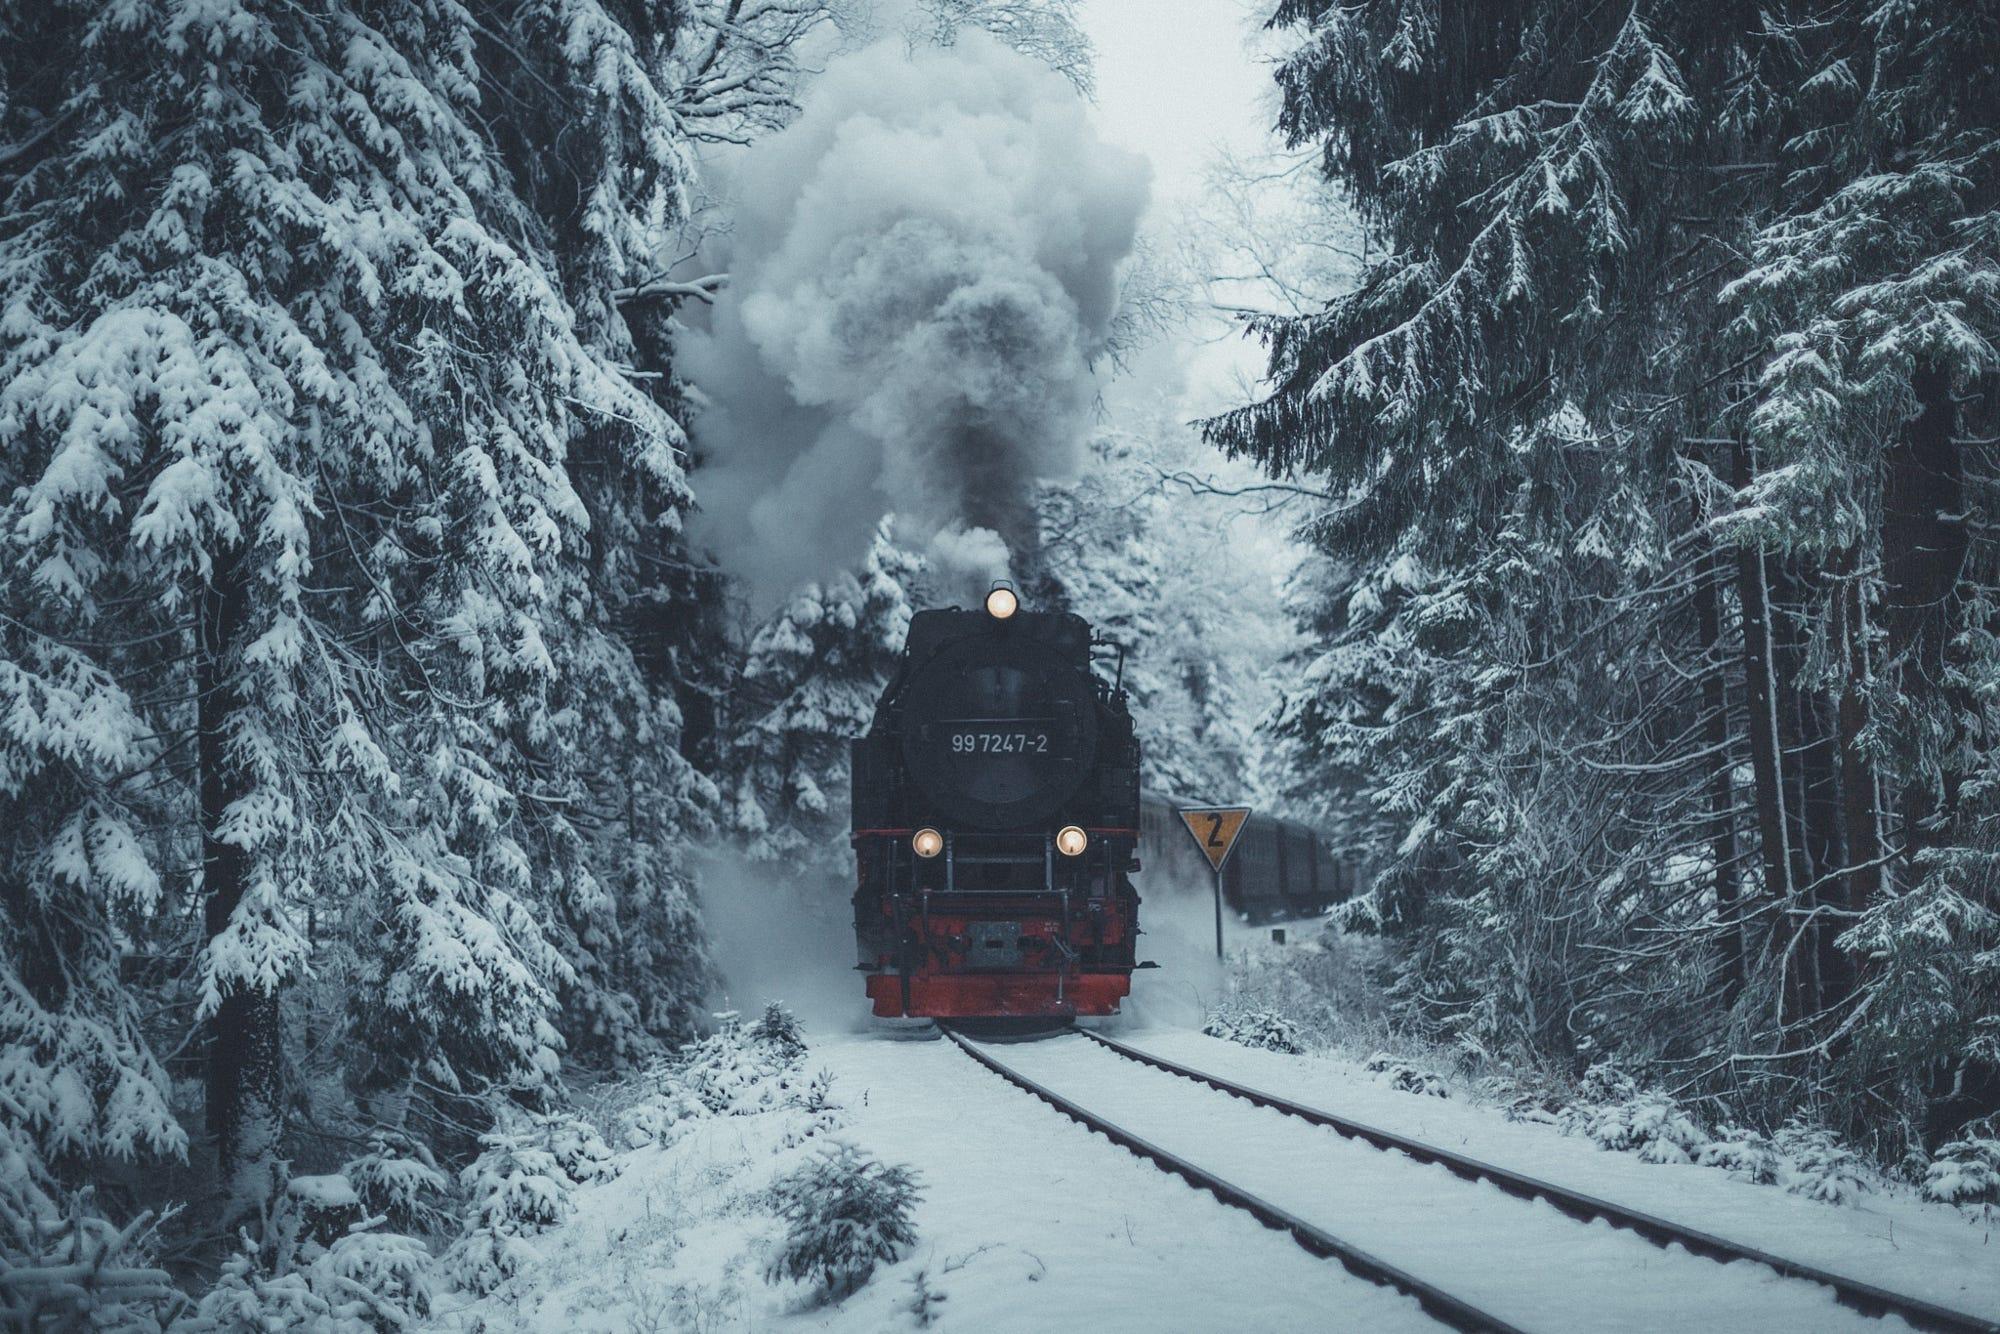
x=1279, y=869
x=996, y=822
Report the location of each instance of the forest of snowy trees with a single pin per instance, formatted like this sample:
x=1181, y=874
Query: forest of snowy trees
x=1652, y=655
x=372, y=663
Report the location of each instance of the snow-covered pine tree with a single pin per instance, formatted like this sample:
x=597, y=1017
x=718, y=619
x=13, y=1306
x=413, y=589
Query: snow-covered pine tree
x=313, y=391
x=1653, y=610
x=1515, y=413
x=809, y=684
x=1874, y=292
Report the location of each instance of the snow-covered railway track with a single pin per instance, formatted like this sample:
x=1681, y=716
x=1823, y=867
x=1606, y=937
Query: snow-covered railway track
x=1474, y=1251
x=1443, y=1306
x=1866, y=1298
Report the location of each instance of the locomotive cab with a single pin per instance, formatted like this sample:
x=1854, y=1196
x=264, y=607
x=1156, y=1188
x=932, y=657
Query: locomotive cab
x=995, y=822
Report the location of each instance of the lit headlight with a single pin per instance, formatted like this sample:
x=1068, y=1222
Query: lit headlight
x=1002, y=603
x=927, y=842
x=1071, y=841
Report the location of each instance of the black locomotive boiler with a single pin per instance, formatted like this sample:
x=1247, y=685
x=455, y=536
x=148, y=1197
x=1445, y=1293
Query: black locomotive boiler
x=996, y=821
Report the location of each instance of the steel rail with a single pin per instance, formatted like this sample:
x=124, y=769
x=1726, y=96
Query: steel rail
x=1864, y=1297
x=1435, y=1301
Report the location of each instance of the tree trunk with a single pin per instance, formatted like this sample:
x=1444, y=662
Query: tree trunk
x=1862, y=880
x=1762, y=695
x=1820, y=843
x=243, y=1058
x=1721, y=788
x=1923, y=552
x=1805, y=775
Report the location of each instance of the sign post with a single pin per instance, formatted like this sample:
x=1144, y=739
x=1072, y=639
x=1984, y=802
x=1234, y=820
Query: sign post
x=1214, y=829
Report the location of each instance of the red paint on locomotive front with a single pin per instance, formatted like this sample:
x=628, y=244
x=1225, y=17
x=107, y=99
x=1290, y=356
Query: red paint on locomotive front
x=991, y=995
x=944, y=984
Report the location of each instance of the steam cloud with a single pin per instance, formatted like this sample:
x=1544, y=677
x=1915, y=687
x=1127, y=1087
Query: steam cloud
x=924, y=267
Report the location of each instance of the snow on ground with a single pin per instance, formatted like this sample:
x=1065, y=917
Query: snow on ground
x=1028, y=1222
x=1892, y=1239
x=1521, y=1260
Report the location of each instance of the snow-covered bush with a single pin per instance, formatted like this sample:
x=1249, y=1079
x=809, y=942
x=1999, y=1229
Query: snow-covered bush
x=365, y=1283
x=846, y=1213
x=1525, y=1096
x=399, y=1181
x=822, y=1111
x=65, y=1263
x=736, y=1071
x=1603, y=1083
x=1612, y=1111
x=779, y=1030
x=1818, y=1166
x=1651, y=1125
x=246, y=1297
x=1744, y=1152
x=1406, y=1078
x=1254, y=1026
x=1966, y=1172
x=520, y=1185
x=319, y=1210
x=391, y=1272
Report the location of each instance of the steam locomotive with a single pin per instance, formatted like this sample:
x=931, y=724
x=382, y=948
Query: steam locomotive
x=996, y=821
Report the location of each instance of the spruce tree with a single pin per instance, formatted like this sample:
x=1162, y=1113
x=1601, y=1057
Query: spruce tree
x=320, y=445
x=809, y=684
x=1653, y=555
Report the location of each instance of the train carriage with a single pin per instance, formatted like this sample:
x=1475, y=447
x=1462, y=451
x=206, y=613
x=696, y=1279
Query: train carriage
x=1280, y=869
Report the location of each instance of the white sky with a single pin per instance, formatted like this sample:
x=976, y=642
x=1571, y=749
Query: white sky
x=1178, y=80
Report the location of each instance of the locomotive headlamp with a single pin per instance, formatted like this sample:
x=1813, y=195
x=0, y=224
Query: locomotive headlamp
x=1002, y=602
x=1071, y=841
x=927, y=842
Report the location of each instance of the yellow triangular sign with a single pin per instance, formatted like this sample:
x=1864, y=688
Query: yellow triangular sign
x=1215, y=829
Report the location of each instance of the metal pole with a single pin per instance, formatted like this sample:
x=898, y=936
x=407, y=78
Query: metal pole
x=1218, y=912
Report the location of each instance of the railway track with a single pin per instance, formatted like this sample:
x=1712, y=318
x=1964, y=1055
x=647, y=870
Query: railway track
x=1864, y=1297
x=1450, y=1308
x=1442, y=1305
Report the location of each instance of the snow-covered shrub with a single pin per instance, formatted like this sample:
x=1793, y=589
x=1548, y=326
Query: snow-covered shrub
x=846, y=1212
x=1649, y=1124
x=398, y=1180
x=1965, y=1172
x=1254, y=1026
x=319, y=1210
x=1612, y=1112
x=779, y=1030
x=247, y=1297
x=520, y=1185
x=924, y=1299
x=66, y=1265
x=1603, y=1083
x=735, y=1071
x=365, y=1283
x=1406, y=1078
x=1530, y=1096
x=391, y=1272
x=822, y=1111
x=1745, y=1153
x=1818, y=1166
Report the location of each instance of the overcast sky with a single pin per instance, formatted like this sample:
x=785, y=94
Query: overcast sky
x=1177, y=80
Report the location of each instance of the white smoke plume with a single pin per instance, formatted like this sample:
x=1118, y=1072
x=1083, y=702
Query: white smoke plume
x=925, y=265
